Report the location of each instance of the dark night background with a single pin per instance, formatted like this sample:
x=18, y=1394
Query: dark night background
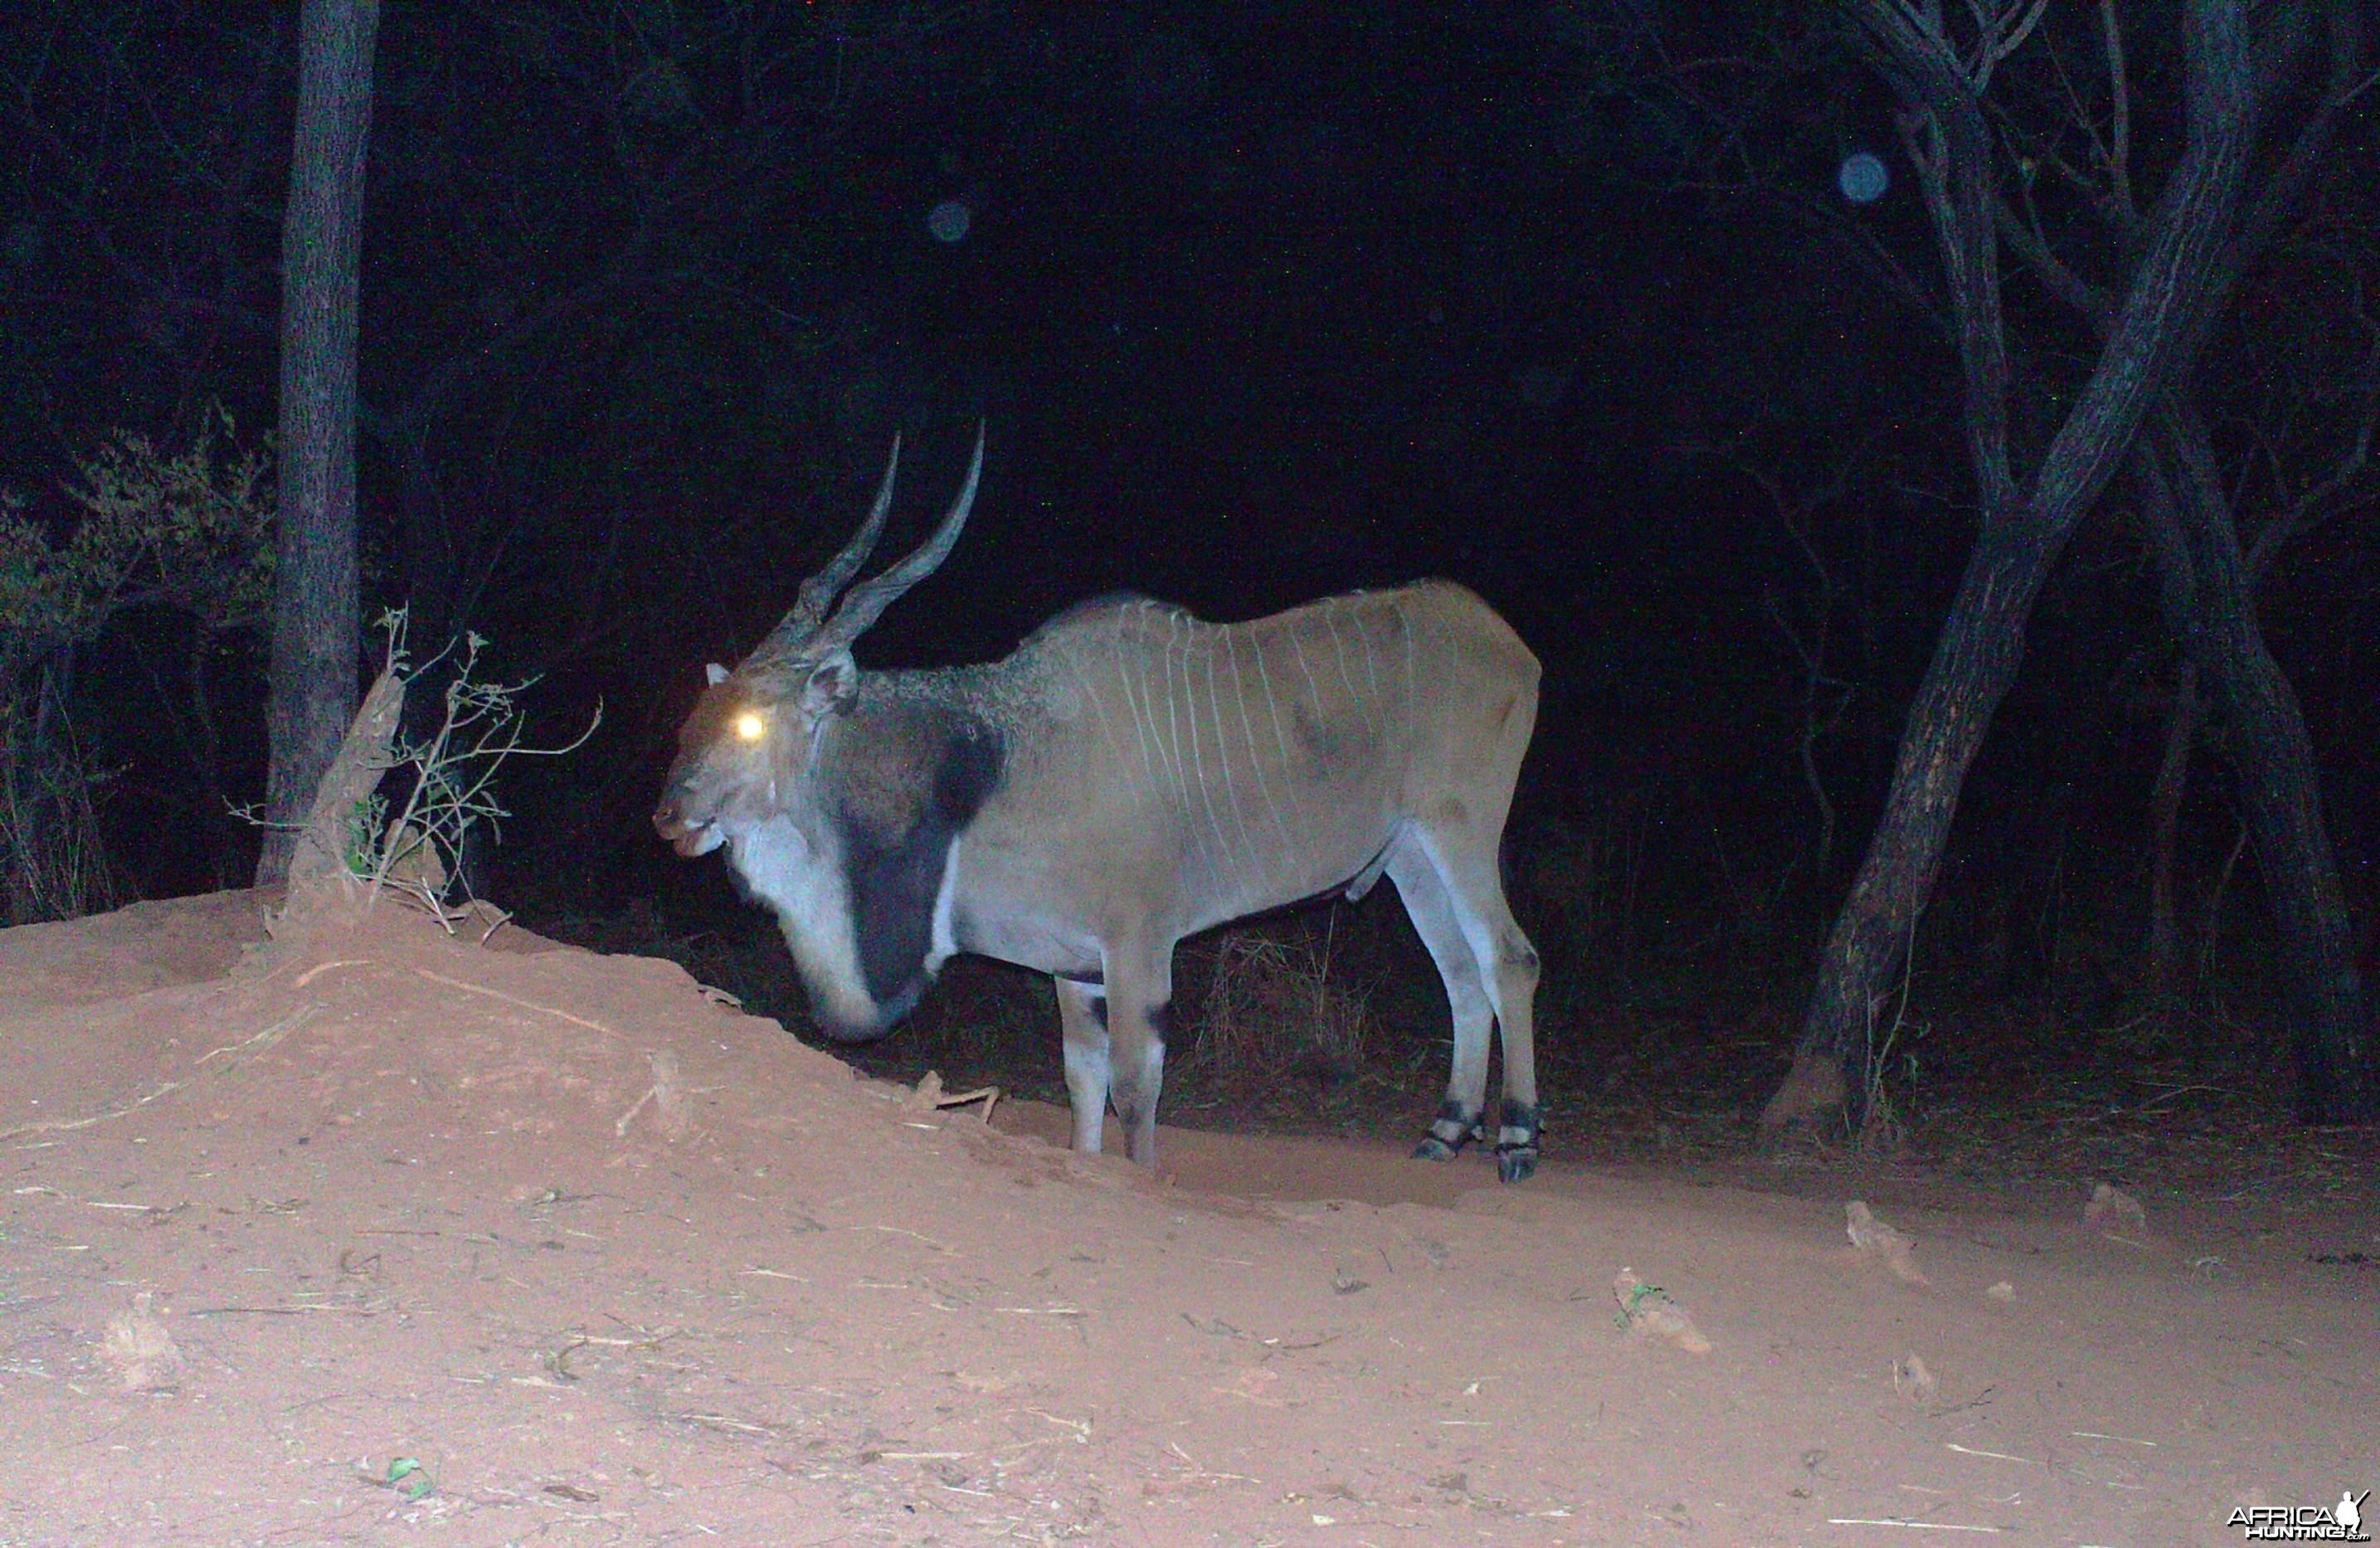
x=1260, y=302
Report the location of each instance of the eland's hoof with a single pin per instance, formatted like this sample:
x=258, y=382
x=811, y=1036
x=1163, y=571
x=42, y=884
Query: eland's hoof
x=1432, y=1148
x=1514, y=1162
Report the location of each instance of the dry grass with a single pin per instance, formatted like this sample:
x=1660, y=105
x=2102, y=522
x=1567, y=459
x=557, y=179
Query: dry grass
x=1274, y=1012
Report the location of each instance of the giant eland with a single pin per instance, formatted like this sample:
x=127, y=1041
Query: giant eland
x=1129, y=777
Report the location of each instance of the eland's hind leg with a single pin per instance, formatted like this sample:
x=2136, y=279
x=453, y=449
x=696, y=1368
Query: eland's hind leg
x=1432, y=912
x=1508, y=966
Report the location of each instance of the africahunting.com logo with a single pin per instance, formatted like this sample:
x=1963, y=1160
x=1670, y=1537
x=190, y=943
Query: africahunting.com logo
x=2342, y=1522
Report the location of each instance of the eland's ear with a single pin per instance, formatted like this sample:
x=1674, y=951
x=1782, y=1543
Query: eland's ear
x=834, y=683
x=714, y=674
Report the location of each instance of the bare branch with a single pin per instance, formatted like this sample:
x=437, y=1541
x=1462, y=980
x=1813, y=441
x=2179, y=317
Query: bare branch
x=1944, y=129
x=2341, y=489
x=2025, y=240
x=1997, y=44
x=2078, y=113
x=2119, y=92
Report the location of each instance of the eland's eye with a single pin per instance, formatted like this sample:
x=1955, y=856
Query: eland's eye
x=750, y=728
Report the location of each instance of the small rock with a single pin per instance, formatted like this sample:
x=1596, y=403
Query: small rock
x=1874, y=1238
x=140, y=1351
x=1648, y=1312
x=2114, y=1212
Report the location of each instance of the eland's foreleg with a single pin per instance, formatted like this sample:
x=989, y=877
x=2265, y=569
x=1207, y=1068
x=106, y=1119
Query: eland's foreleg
x=1140, y=1007
x=1082, y=1016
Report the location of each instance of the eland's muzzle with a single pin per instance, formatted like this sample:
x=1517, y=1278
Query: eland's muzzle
x=689, y=838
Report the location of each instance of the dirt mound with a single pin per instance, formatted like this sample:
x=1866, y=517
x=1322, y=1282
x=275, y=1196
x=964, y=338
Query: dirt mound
x=401, y=1235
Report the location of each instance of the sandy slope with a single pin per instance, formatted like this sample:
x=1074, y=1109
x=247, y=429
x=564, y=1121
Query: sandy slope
x=615, y=1265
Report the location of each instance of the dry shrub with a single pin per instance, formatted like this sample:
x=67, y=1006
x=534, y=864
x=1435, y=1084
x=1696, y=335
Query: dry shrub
x=1273, y=1012
x=52, y=863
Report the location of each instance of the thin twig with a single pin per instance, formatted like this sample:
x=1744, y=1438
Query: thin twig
x=516, y=1000
x=265, y=1039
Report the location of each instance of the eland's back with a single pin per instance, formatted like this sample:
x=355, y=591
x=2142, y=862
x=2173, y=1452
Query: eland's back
x=1249, y=765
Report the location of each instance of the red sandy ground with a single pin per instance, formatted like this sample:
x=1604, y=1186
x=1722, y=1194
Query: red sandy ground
x=273, y=1220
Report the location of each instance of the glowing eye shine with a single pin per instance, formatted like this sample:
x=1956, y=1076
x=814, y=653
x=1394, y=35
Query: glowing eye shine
x=750, y=728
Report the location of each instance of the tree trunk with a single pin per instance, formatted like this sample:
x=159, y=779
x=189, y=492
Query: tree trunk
x=2176, y=279
x=2207, y=582
x=1975, y=663
x=316, y=632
